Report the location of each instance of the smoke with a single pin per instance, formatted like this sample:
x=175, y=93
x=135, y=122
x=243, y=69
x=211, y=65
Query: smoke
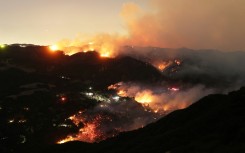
x=139, y=105
x=162, y=99
x=203, y=24
x=193, y=24
x=212, y=68
x=109, y=118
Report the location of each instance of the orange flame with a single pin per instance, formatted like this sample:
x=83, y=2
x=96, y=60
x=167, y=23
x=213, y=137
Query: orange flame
x=105, y=44
x=122, y=93
x=89, y=133
x=160, y=103
x=161, y=65
x=144, y=97
x=67, y=139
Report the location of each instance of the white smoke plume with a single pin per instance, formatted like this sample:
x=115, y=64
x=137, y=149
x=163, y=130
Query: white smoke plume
x=162, y=99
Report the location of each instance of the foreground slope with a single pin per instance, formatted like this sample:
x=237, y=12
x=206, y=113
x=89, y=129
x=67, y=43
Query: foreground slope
x=216, y=123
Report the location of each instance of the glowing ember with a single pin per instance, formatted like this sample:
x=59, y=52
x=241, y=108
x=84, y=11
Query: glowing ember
x=53, y=48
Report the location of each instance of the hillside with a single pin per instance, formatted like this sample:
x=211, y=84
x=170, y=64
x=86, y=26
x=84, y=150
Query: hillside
x=216, y=123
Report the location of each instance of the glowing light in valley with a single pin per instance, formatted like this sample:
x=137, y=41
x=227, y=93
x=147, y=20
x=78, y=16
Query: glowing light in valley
x=54, y=48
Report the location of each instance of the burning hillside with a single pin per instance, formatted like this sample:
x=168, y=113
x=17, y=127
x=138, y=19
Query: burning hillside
x=113, y=113
x=90, y=98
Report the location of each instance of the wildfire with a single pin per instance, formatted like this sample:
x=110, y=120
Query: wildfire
x=103, y=45
x=144, y=97
x=69, y=138
x=90, y=132
x=105, y=54
x=63, y=99
x=53, y=48
x=122, y=93
x=162, y=65
x=160, y=103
